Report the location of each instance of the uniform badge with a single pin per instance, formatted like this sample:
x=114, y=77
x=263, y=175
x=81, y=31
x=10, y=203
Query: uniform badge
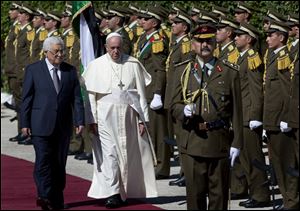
x=219, y=69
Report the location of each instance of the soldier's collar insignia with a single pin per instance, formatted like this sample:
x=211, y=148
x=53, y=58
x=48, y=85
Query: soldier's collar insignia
x=219, y=69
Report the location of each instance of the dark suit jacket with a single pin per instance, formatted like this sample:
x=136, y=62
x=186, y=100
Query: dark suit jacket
x=42, y=108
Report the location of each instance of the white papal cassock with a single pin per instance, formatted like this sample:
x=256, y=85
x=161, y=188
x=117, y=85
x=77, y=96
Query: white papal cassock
x=123, y=160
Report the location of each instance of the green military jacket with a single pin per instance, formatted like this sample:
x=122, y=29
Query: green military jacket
x=276, y=87
x=152, y=53
x=10, y=56
x=23, y=43
x=218, y=98
x=75, y=57
x=179, y=52
x=251, y=78
x=36, y=52
x=69, y=38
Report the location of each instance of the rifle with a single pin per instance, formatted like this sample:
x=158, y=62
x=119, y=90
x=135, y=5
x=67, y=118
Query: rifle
x=269, y=169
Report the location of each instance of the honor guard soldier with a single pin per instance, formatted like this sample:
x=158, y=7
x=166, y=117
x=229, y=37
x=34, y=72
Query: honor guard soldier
x=152, y=53
x=52, y=23
x=102, y=22
x=135, y=25
x=180, y=51
x=40, y=35
x=242, y=13
x=277, y=81
x=292, y=22
x=194, y=13
x=23, y=43
x=225, y=39
x=251, y=78
x=206, y=101
x=10, y=56
x=293, y=117
x=116, y=19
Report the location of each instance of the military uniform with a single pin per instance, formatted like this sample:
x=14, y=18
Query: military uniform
x=36, y=48
x=276, y=98
x=205, y=148
x=10, y=57
x=152, y=53
x=251, y=78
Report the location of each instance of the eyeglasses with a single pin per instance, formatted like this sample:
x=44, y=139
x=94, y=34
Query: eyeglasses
x=57, y=52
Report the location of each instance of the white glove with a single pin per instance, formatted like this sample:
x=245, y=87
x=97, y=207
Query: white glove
x=156, y=102
x=189, y=109
x=234, y=153
x=284, y=127
x=254, y=124
x=264, y=134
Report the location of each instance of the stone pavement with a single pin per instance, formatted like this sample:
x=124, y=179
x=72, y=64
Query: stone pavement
x=170, y=197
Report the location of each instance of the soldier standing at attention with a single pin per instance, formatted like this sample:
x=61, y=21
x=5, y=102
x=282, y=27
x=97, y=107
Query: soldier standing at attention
x=23, y=43
x=251, y=78
x=277, y=90
x=152, y=53
x=52, y=24
x=180, y=51
x=10, y=56
x=39, y=37
x=206, y=101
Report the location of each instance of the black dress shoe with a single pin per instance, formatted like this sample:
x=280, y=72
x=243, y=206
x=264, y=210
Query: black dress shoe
x=235, y=196
x=27, y=141
x=255, y=204
x=44, y=204
x=70, y=152
x=242, y=203
x=114, y=201
x=179, y=182
x=84, y=156
x=15, y=138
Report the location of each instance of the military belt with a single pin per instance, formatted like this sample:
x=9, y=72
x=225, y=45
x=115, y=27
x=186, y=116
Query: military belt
x=213, y=125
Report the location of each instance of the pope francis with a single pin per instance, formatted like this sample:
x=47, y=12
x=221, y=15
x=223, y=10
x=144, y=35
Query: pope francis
x=122, y=150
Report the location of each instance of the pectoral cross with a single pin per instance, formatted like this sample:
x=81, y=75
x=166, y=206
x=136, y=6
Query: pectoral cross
x=121, y=85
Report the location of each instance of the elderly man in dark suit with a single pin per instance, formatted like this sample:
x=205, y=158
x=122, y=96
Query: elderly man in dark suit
x=51, y=92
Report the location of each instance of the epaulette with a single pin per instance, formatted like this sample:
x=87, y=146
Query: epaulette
x=164, y=27
x=130, y=32
x=185, y=45
x=55, y=34
x=231, y=65
x=30, y=35
x=70, y=33
x=283, y=62
x=157, y=46
x=216, y=52
x=282, y=53
x=17, y=28
x=139, y=30
x=70, y=40
x=254, y=61
x=233, y=56
x=43, y=35
x=181, y=63
x=106, y=31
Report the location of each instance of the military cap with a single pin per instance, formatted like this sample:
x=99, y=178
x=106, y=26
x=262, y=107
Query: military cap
x=26, y=9
x=68, y=5
x=224, y=22
x=221, y=11
x=242, y=7
x=15, y=5
x=206, y=17
x=134, y=8
x=39, y=12
x=116, y=11
x=152, y=12
x=182, y=17
x=164, y=11
x=176, y=8
x=204, y=32
x=273, y=15
x=246, y=28
x=99, y=14
x=194, y=11
x=67, y=13
x=53, y=15
x=277, y=26
x=293, y=20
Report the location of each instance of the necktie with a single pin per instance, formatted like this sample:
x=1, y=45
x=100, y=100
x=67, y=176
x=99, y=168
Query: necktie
x=56, y=81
